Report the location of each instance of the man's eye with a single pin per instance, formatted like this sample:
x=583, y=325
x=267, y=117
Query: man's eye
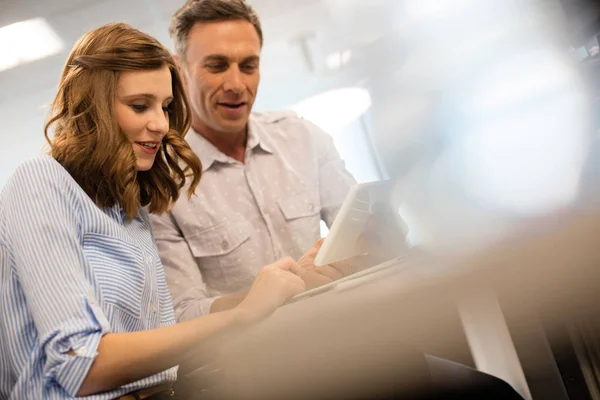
x=249, y=67
x=217, y=67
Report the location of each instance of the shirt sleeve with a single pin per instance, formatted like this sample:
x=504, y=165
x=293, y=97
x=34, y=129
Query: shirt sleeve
x=44, y=218
x=334, y=179
x=188, y=290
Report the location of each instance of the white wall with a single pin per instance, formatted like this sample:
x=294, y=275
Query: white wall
x=22, y=130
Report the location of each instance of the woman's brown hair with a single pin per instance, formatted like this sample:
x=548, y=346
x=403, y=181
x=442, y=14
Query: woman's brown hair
x=88, y=141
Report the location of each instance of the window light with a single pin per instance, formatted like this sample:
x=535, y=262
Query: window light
x=335, y=109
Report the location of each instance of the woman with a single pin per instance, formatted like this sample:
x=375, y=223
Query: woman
x=84, y=305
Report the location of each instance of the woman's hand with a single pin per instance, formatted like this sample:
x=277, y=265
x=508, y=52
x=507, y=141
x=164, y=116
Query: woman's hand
x=275, y=284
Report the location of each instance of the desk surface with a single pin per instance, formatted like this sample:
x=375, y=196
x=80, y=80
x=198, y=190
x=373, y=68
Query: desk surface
x=368, y=337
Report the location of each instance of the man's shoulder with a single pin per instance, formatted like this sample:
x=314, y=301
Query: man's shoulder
x=286, y=122
x=276, y=117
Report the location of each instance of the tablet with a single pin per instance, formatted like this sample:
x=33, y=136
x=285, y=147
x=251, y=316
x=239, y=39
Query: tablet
x=349, y=224
x=401, y=262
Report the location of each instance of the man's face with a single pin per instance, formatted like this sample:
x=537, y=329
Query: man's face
x=221, y=74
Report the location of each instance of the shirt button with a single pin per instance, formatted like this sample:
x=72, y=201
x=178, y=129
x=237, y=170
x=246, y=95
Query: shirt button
x=149, y=261
x=154, y=309
x=82, y=350
x=225, y=245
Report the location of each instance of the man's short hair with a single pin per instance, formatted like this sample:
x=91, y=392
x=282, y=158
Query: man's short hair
x=194, y=11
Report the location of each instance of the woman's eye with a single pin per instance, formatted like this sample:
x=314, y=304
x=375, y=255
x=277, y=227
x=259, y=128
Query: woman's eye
x=139, y=107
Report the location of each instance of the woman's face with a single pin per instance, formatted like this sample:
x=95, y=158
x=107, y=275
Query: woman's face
x=142, y=107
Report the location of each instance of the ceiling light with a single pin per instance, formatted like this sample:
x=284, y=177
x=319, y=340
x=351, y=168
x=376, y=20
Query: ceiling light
x=338, y=59
x=335, y=109
x=27, y=41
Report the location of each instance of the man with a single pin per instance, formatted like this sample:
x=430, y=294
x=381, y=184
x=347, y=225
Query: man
x=268, y=179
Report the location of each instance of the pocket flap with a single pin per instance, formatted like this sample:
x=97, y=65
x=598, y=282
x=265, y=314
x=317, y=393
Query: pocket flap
x=220, y=239
x=305, y=204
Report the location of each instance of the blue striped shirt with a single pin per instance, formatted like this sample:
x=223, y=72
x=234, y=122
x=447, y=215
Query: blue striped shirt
x=70, y=272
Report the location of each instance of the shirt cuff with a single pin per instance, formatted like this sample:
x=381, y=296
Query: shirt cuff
x=82, y=337
x=197, y=309
x=206, y=304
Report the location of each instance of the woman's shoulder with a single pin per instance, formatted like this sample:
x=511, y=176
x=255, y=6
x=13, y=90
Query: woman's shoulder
x=40, y=166
x=39, y=173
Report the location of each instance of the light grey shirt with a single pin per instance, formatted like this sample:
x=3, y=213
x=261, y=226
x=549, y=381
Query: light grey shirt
x=247, y=215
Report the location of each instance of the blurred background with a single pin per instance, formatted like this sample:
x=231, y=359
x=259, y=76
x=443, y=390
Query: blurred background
x=484, y=108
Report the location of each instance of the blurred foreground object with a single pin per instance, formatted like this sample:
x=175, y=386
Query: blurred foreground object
x=364, y=341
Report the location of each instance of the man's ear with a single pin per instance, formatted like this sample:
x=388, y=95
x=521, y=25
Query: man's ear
x=180, y=63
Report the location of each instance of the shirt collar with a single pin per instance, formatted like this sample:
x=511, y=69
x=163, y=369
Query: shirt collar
x=120, y=213
x=258, y=136
x=208, y=153
x=205, y=150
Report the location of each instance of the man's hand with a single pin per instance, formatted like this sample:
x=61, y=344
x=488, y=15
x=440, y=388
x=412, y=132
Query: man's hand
x=315, y=276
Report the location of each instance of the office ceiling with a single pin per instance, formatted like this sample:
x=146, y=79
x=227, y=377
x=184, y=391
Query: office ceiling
x=399, y=50
x=299, y=35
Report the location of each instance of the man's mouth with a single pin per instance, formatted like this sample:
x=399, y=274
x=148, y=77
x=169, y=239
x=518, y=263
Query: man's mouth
x=233, y=106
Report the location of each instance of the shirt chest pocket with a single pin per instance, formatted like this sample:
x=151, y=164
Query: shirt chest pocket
x=119, y=269
x=302, y=217
x=302, y=205
x=220, y=254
